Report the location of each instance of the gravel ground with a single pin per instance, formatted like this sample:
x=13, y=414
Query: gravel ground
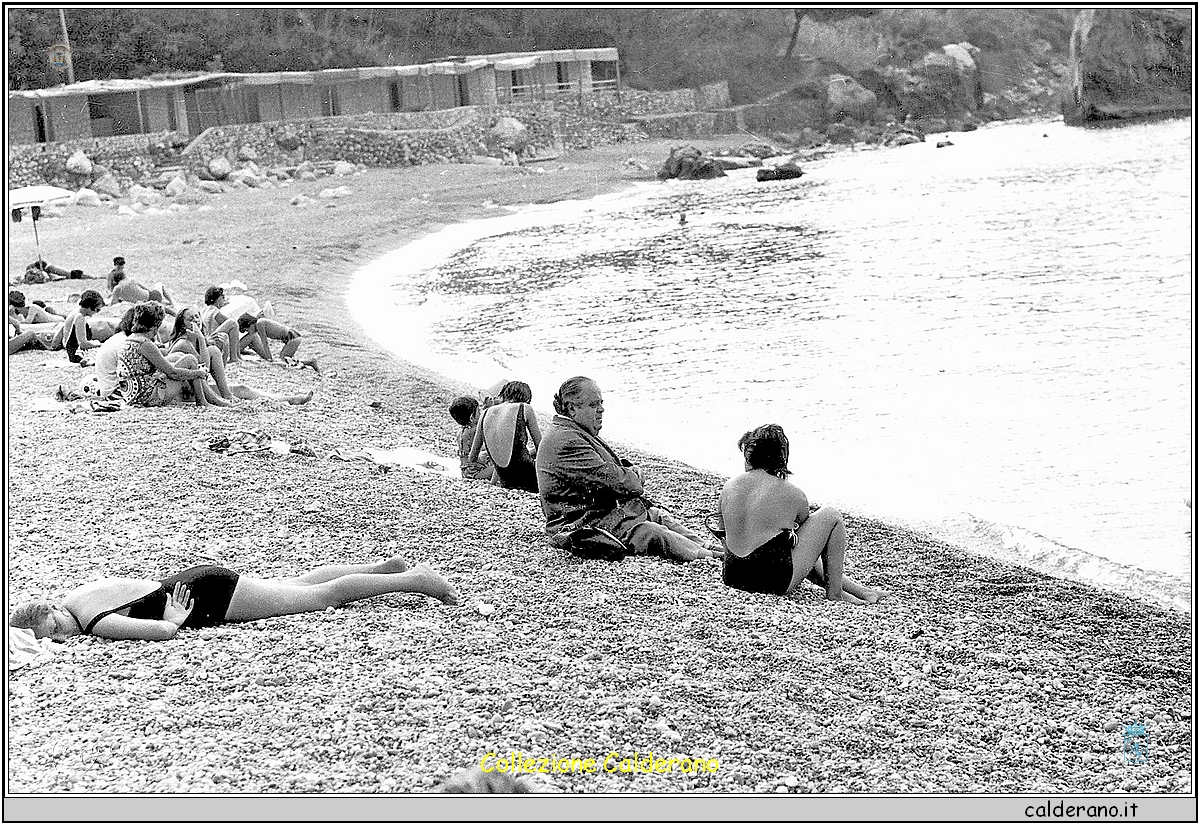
x=974, y=676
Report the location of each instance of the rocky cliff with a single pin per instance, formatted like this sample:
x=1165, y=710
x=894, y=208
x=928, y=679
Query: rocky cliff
x=1128, y=63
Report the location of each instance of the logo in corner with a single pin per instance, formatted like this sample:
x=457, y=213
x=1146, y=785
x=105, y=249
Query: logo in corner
x=60, y=56
x=1136, y=743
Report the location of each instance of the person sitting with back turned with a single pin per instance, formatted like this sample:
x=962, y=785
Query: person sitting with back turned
x=584, y=484
x=772, y=542
x=505, y=429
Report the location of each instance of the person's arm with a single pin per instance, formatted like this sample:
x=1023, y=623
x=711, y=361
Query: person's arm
x=14, y=320
x=175, y=612
x=477, y=441
x=531, y=423
x=578, y=460
x=801, y=502
x=155, y=357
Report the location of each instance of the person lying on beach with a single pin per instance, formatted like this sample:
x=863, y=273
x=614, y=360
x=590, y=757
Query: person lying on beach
x=187, y=338
x=255, y=330
x=465, y=411
x=207, y=595
x=584, y=484
x=506, y=429
x=33, y=313
x=125, y=289
x=147, y=378
x=772, y=542
x=23, y=339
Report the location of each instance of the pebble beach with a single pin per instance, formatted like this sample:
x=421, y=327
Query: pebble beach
x=973, y=677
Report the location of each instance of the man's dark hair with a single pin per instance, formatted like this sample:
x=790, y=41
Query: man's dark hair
x=462, y=409
x=16, y=298
x=568, y=392
x=766, y=448
x=118, y=261
x=91, y=299
x=125, y=325
x=212, y=295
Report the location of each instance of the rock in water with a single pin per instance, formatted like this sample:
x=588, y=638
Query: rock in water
x=785, y=171
x=689, y=163
x=79, y=164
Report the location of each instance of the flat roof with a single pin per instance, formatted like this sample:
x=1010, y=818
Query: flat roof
x=505, y=61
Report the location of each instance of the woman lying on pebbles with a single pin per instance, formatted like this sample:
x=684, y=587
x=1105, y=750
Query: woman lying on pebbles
x=208, y=595
x=772, y=543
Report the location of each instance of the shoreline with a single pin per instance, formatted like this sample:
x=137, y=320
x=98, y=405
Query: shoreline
x=942, y=685
x=1002, y=541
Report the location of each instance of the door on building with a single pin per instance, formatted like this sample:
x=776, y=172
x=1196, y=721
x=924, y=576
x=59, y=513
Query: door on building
x=462, y=91
x=41, y=125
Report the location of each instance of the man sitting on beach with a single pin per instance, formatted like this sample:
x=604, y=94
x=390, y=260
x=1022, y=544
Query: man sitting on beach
x=78, y=333
x=221, y=313
x=583, y=483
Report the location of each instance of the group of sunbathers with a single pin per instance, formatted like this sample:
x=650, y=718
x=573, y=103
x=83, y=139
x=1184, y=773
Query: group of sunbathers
x=146, y=361
x=595, y=505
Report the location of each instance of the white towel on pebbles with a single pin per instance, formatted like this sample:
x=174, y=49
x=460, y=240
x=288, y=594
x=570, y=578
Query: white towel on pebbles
x=24, y=648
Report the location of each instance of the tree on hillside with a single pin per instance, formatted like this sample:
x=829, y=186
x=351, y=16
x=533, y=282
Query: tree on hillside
x=828, y=15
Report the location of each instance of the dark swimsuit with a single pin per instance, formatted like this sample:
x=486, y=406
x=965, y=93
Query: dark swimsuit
x=520, y=474
x=768, y=568
x=211, y=591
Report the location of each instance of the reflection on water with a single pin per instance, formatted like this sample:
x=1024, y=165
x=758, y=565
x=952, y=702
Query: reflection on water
x=999, y=328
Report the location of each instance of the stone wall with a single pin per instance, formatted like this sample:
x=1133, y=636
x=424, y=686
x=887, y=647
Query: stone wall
x=385, y=139
x=128, y=156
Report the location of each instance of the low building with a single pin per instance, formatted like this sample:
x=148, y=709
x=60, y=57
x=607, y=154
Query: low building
x=102, y=108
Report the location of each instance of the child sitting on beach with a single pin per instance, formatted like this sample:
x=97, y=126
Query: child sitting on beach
x=465, y=411
x=77, y=333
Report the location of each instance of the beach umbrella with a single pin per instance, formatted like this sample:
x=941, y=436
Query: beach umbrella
x=34, y=198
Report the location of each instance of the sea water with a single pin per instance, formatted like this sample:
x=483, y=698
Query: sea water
x=990, y=342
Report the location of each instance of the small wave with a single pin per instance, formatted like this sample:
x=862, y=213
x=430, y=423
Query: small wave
x=1017, y=545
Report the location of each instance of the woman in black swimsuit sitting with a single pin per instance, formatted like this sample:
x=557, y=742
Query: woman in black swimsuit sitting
x=209, y=595
x=505, y=429
x=772, y=542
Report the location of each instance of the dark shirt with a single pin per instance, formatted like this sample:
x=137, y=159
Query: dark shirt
x=582, y=482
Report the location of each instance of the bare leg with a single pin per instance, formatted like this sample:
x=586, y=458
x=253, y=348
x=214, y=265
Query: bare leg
x=869, y=595
x=822, y=536
x=649, y=537
x=256, y=339
x=664, y=518
x=242, y=391
x=329, y=572
x=216, y=368
x=212, y=398
x=229, y=329
x=262, y=599
x=281, y=332
x=22, y=340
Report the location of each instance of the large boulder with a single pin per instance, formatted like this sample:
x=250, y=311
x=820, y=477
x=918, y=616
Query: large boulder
x=143, y=194
x=108, y=185
x=1129, y=62
x=175, y=188
x=846, y=97
x=211, y=186
x=945, y=83
x=78, y=163
x=87, y=197
x=245, y=176
x=689, y=163
x=509, y=133
x=785, y=171
x=220, y=167
x=247, y=152
x=341, y=167
x=289, y=140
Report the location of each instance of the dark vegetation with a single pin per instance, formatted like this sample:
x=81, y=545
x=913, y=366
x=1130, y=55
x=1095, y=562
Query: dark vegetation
x=661, y=48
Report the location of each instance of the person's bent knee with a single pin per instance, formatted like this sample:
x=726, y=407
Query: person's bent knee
x=649, y=537
x=184, y=360
x=214, y=351
x=831, y=514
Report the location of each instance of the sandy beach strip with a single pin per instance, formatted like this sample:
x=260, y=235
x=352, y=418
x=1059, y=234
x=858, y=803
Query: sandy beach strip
x=975, y=676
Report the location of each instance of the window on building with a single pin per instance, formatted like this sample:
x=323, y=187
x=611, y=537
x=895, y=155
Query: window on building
x=329, y=101
x=604, y=74
x=397, y=95
x=98, y=108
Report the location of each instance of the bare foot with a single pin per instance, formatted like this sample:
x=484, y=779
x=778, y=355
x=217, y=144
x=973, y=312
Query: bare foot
x=311, y=362
x=843, y=597
x=872, y=596
x=298, y=400
x=396, y=564
x=435, y=586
